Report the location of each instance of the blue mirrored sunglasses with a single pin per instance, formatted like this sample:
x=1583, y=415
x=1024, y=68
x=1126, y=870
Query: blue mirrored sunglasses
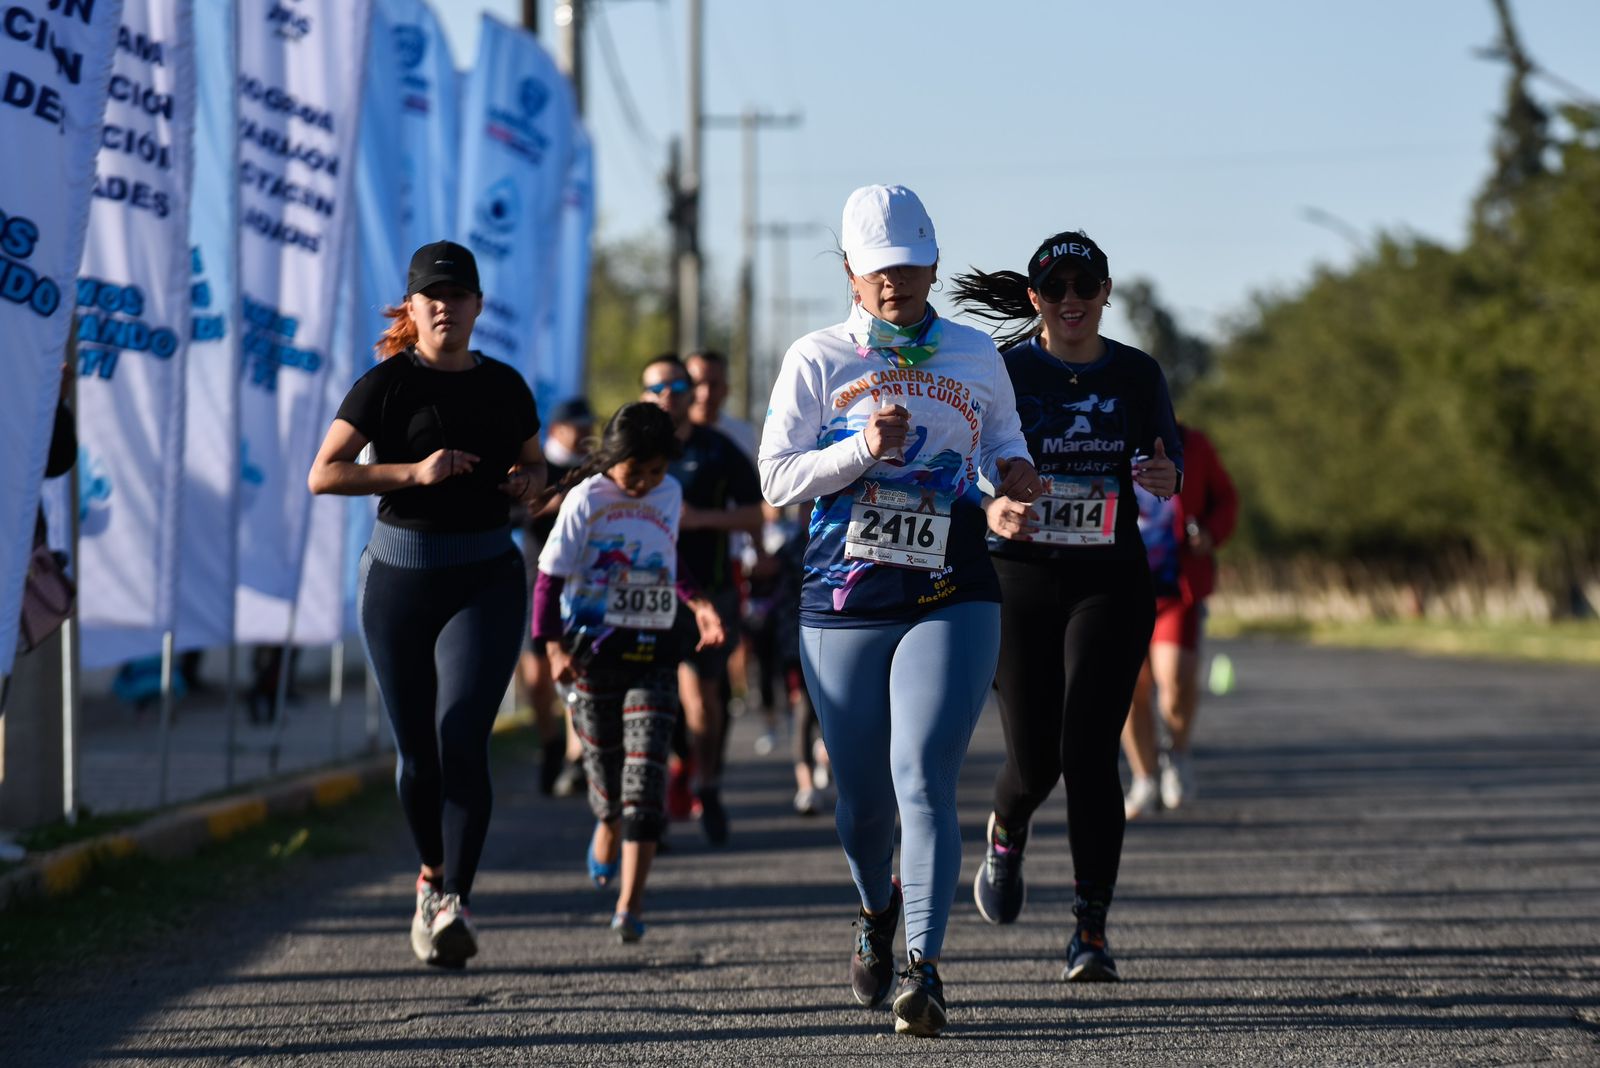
x=677, y=385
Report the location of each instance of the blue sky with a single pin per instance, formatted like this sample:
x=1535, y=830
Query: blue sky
x=1189, y=139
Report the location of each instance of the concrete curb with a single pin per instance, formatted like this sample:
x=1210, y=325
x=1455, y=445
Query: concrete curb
x=185, y=830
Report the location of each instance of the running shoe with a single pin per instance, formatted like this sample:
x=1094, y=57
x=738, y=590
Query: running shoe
x=1089, y=954
x=766, y=743
x=552, y=764
x=806, y=801
x=919, y=1001
x=1142, y=799
x=998, y=887
x=872, y=964
x=680, y=799
x=822, y=775
x=455, y=937
x=603, y=874
x=713, y=817
x=1177, y=779
x=571, y=781
x=422, y=920
x=626, y=927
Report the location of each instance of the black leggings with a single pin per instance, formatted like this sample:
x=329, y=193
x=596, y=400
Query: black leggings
x=442, y=642
x=1072, y=641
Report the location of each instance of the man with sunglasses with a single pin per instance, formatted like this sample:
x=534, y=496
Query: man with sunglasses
x=721, y=494
x=1077, y=601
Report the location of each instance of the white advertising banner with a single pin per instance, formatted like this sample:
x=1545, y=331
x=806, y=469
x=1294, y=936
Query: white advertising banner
x=133, y=297
x=300, y=78
x=518, y=127
x=565, y=319
x=207, y=548
x=55, y=67
x=319, y=599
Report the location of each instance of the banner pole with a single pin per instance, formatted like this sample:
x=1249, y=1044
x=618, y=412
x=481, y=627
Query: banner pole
x=165, y=741
x=231, y=714
x=336, y=693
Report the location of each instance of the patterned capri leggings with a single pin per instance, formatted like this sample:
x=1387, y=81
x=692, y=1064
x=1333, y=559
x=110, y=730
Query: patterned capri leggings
x=625, y=715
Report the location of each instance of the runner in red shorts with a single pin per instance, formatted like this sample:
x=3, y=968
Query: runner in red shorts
x=1181, y=535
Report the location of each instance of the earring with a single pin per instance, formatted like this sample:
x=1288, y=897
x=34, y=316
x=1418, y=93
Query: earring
x=938, y=285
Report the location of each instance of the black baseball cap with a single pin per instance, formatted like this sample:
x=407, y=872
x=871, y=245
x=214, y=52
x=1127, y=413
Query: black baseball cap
x=572, y=410
x=443, y=261
x=1069, y=248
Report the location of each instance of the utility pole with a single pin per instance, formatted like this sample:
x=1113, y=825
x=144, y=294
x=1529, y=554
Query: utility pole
x=691, y=303
x=569, y=45
x=748, y=122
x=677, y=227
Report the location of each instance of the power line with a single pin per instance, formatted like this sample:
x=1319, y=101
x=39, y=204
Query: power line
x=646, y=141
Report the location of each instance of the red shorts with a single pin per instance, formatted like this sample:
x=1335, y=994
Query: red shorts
x=1178, y=623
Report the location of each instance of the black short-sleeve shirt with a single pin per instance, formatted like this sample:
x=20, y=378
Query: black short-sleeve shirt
x=409, y=411
x=715, y=474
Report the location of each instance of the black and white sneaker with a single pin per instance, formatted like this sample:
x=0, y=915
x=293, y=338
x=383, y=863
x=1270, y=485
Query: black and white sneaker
x=1089, y=954
x=713, y=817
x=455, y=937
x=919, y=1001
x=872, y=963
x=428, y=900
x=998, y=888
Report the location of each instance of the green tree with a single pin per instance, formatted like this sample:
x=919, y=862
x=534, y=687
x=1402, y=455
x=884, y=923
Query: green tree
x=1184, y=357
x=632, y=318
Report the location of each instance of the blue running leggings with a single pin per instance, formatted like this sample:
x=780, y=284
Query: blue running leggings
x=443, y=642
x=898, y=704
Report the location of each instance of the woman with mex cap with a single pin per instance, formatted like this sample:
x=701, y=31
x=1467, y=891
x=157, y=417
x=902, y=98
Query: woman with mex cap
x=1078, y=606
x=443, y=590
x=887, y=420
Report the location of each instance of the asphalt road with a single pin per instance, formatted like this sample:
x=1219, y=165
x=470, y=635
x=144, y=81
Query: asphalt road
x=1394, y=861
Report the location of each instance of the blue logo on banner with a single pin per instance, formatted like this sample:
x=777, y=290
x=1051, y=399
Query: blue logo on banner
x=500, y=208
x=290, y=23
x=411, y=44
x=515, y=128
x=94, y=493
x=533, y=95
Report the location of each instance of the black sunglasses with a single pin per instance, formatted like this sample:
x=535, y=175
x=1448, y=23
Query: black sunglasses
x=1083, y=287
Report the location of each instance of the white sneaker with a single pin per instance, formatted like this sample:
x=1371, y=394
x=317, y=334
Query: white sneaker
x=1142, y=799
x=766, y=743
x=1177, y=779
x=422, y=920
x=455, y=937
x=806, y=802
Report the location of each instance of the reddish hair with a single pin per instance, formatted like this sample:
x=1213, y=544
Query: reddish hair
x=401, y=334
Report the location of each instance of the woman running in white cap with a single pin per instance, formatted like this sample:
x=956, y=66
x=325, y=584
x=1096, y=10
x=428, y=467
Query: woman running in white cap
x=887, y=420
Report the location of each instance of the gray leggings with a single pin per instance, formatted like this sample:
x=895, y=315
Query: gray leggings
x=625, y=717
x=898, y=705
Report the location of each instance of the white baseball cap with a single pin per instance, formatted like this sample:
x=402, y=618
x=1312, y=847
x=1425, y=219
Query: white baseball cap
x=887, y=226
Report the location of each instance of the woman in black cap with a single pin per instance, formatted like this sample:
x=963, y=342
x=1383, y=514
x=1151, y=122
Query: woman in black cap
x=1077, y=605
x=443, y=594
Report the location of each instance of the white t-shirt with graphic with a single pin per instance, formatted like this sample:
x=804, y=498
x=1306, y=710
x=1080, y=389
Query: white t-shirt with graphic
x=618, y=555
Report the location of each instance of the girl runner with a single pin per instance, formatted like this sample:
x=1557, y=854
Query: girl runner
x=443, y=590
x=603, y=605
x=1078, y=606
x=887, y=419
